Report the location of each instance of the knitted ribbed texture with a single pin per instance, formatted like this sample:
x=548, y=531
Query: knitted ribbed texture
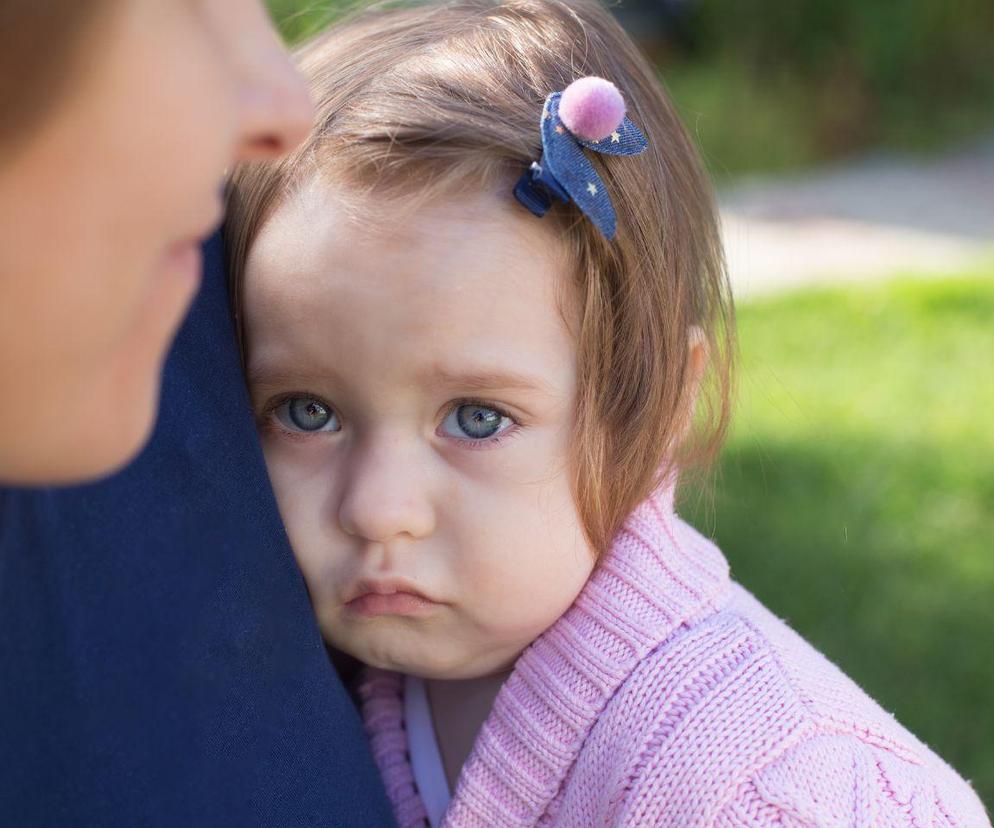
x=668, y=696
x=380, y=694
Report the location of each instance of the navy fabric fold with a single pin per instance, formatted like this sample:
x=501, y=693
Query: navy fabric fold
x=159, y=662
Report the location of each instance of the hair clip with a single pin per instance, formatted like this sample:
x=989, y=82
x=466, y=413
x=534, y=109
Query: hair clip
x=589, y=113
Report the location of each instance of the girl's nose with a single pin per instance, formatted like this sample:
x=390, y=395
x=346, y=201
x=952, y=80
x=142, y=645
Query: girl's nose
x=275, y=108
x=386, y=495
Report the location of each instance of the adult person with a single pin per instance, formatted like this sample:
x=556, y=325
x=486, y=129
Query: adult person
x=119, y=119
x=159, y=662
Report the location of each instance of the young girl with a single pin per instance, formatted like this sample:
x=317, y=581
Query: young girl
x=477, y=316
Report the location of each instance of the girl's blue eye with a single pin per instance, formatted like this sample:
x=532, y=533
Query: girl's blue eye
x=306, y=414
x=476, y=422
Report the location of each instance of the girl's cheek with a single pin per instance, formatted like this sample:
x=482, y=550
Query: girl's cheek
x=522, y=456
x=296, y=468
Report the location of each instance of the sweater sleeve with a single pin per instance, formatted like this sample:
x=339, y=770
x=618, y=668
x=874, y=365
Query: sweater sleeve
x=839, y=781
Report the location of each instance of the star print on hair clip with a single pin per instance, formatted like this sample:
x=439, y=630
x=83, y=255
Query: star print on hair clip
x=588, y=114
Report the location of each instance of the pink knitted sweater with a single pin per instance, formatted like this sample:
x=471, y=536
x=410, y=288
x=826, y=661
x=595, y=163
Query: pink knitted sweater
x=669, y=696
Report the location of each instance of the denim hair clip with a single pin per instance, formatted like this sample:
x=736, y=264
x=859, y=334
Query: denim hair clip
x=589, y=113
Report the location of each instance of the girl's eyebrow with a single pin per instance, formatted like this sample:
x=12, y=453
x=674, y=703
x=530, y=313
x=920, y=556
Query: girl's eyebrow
x=470, y=380
x=487, y=379
x=272, y=376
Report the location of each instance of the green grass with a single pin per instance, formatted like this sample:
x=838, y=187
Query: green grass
x=740, y=125
x=855, y=496
x=781, y=122
x=299, y=19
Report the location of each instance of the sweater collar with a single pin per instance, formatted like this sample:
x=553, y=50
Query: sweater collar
x=659, y=574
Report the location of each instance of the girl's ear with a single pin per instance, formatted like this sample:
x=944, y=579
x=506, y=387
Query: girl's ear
x=697, y=362
x=698, y=345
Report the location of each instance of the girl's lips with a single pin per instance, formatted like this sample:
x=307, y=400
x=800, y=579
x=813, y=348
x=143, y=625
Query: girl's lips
x=373, y=604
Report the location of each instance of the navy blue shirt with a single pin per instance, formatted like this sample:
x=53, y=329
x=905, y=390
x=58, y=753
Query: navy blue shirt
x=159, y=662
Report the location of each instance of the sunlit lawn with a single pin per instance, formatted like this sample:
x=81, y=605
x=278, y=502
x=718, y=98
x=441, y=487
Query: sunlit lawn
x=856, y=494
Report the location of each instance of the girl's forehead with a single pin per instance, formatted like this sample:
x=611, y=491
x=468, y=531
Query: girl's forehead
x=470, y=223
x=322, y=241
x=472, y=275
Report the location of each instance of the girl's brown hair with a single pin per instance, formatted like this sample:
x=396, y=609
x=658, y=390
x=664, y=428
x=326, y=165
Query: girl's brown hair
x=445, y=95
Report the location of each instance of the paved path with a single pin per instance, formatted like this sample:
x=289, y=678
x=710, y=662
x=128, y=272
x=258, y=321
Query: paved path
x=861, y=220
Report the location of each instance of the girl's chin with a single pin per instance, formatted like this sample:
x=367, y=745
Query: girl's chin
x=398, y=653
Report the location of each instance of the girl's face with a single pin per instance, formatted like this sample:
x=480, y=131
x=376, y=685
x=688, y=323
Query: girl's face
x=102, y=210
x=414, y=382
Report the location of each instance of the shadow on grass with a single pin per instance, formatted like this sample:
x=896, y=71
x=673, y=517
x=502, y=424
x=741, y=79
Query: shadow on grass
x=881, y=555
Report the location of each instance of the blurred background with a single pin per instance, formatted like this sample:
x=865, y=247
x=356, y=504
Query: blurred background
x=852, y=146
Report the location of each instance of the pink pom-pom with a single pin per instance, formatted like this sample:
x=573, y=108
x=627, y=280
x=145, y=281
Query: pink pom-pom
x=592, y=108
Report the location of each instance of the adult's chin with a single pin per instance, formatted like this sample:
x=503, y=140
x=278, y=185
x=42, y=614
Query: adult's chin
x=81, y=430
x=84, y=421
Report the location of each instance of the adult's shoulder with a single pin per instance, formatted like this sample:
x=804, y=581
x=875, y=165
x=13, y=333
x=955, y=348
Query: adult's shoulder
x=160, y=614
